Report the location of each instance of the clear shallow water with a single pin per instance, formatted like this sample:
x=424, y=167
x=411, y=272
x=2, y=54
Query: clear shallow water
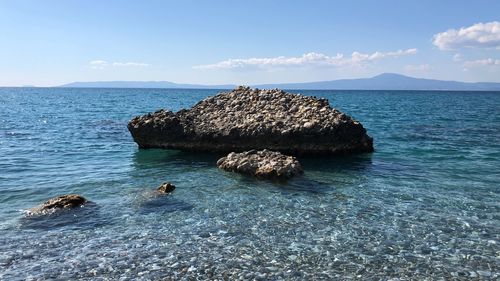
x=424, y=205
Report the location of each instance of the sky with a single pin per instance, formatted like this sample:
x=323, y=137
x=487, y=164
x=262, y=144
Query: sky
x=53, y=42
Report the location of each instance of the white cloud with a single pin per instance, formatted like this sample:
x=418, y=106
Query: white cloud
x=480, y=35
x=140, y=64
x=412, y=68
x=308, y=59
x=359, y=57
x=98, y=64
x=305, y=59
x=458, y=57
x=101, y=64
x=481, y=62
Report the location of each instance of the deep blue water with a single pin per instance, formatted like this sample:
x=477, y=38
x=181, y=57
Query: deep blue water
x=425, y=204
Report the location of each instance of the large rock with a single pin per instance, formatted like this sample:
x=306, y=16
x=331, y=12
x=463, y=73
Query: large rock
x=246, y=119
x=67, y=201
x=264, y=164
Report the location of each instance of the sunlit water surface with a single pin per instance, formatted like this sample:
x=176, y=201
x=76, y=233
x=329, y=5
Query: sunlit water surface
x=424, y=205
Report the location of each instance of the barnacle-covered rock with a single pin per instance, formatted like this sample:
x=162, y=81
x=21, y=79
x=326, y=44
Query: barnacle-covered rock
x=246, y=119
x=263, y=164
x=67, y=201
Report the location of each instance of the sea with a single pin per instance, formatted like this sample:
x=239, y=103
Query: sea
x=424, y=206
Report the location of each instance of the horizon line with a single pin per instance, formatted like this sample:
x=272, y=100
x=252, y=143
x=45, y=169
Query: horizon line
x=229, y=84
x=283, y=85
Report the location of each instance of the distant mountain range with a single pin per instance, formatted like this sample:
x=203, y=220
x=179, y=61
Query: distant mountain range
x=386, y=81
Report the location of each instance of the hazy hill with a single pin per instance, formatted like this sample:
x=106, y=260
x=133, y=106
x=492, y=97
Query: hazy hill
x=386, y=81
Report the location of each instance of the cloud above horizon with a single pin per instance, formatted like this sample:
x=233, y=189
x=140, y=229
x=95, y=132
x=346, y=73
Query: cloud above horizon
x=481, y=62
x=479, y=35
x=308, y=59
x=101, y=64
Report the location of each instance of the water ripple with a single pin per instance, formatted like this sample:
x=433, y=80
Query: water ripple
x=423, y=206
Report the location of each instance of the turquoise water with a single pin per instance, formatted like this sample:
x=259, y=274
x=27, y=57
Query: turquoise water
x=424, y=205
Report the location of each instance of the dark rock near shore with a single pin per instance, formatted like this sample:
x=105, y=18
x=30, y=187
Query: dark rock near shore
x=67, y=201
x=263, y=164
x=166, y=188
x=246, y=119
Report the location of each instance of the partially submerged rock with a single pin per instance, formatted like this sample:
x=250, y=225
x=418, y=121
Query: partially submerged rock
x=246, y=119
x=67, y=201
x=166, y=188
x=265, y=164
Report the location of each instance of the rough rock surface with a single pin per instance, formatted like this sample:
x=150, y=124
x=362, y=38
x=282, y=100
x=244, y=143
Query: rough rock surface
x=246, y=119
x=166, y=188
x=264, y=164
x=61, y=202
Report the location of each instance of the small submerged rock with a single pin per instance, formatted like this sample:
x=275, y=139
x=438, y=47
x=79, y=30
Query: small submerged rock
x=264, y=164
x=166, y=188
x=67, y=201
x=156, y=201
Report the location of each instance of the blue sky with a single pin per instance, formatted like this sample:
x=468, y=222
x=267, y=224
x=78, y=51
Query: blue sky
x=53, y=42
